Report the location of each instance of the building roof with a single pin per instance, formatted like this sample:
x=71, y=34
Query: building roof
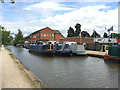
x=56, y=31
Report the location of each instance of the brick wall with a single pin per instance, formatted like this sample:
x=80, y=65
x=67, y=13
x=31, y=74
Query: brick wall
x=58, y=37
x=77, y=39
x=47, y=33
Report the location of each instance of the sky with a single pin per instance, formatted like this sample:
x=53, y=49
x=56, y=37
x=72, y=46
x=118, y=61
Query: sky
x=30, y=16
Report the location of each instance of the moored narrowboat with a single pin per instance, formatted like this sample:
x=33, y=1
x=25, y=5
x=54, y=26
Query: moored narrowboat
x=63, y=50
x=77, y=49
x=113, y=53
x=42, y=49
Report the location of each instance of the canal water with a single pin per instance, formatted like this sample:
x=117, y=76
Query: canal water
x=69, y=72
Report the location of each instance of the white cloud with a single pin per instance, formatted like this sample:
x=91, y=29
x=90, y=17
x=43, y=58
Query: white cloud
x=47, y=5
x=89, y=17
x=64, y=0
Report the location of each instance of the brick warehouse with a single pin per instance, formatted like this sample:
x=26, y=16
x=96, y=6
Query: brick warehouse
x=44, y=34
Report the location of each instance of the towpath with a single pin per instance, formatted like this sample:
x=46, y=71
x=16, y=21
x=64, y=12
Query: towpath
x=12, y=76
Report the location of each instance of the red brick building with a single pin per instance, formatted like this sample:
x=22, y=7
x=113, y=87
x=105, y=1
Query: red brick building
x=45, y=34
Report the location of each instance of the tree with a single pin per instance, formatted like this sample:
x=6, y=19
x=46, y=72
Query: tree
x=115, y=35
x=105, y=35
x=78, y=29
x=12, y=1
x=85, y=34
x=6, y=36
x=19, y=38
x=71, y=32
x=95, y=35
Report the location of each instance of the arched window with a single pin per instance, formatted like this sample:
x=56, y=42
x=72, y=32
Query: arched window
x=44, y=35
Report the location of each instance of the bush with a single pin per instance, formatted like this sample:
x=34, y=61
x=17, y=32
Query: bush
x=107, y=46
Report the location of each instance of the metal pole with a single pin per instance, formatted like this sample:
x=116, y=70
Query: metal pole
x=80, y=37
x=94, y=40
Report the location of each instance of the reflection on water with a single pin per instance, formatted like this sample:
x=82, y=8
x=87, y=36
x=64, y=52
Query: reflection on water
x=68, y=72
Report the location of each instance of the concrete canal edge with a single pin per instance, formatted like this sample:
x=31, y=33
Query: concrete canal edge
x=28, y=73
x=98, y=54
x=94, y=55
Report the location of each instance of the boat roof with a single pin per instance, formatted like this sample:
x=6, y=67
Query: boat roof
x=71, y=43
x=115, y=46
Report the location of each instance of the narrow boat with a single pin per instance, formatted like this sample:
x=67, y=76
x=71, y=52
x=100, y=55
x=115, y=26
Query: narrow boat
x=113, y=53
x=63, y=50
x=42, y=49
x=77, y=49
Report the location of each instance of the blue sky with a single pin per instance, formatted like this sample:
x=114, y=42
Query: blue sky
x=32, y=16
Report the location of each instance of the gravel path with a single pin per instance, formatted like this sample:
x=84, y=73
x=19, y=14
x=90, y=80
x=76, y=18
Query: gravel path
x=12, y=76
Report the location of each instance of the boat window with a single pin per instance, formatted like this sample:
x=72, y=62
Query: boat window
x=66, y=47
x=59, y=47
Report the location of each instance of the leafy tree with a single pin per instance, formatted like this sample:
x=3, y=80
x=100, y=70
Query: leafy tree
x=105, y=35
x=115, y=35
x=85, y=34
x=6, y=36
x=71, y=32
x=78, y=29
x=95, y=35
x=19, y=38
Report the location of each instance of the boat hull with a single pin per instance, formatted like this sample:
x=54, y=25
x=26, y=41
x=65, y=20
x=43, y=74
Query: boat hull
x=108, y=57
x=63, y=53
x=47, y=53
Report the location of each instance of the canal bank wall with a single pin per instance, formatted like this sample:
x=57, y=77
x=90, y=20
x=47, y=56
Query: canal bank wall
x=17, y=75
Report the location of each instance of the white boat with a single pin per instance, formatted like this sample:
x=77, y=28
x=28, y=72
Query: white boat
x=77, y=49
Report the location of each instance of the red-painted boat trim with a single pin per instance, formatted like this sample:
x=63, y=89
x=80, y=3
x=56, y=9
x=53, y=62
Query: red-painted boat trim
x=107, y=57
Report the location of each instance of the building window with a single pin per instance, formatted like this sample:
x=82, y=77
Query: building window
x=52, y=35
x=47, y=35
x=41, y=35
x=44, y=35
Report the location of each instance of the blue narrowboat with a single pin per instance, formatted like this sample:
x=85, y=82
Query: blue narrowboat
x=41, y=49
x=51, y=50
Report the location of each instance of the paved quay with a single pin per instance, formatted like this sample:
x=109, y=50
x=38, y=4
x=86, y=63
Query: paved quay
x=13, y=76
x=96, y=53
